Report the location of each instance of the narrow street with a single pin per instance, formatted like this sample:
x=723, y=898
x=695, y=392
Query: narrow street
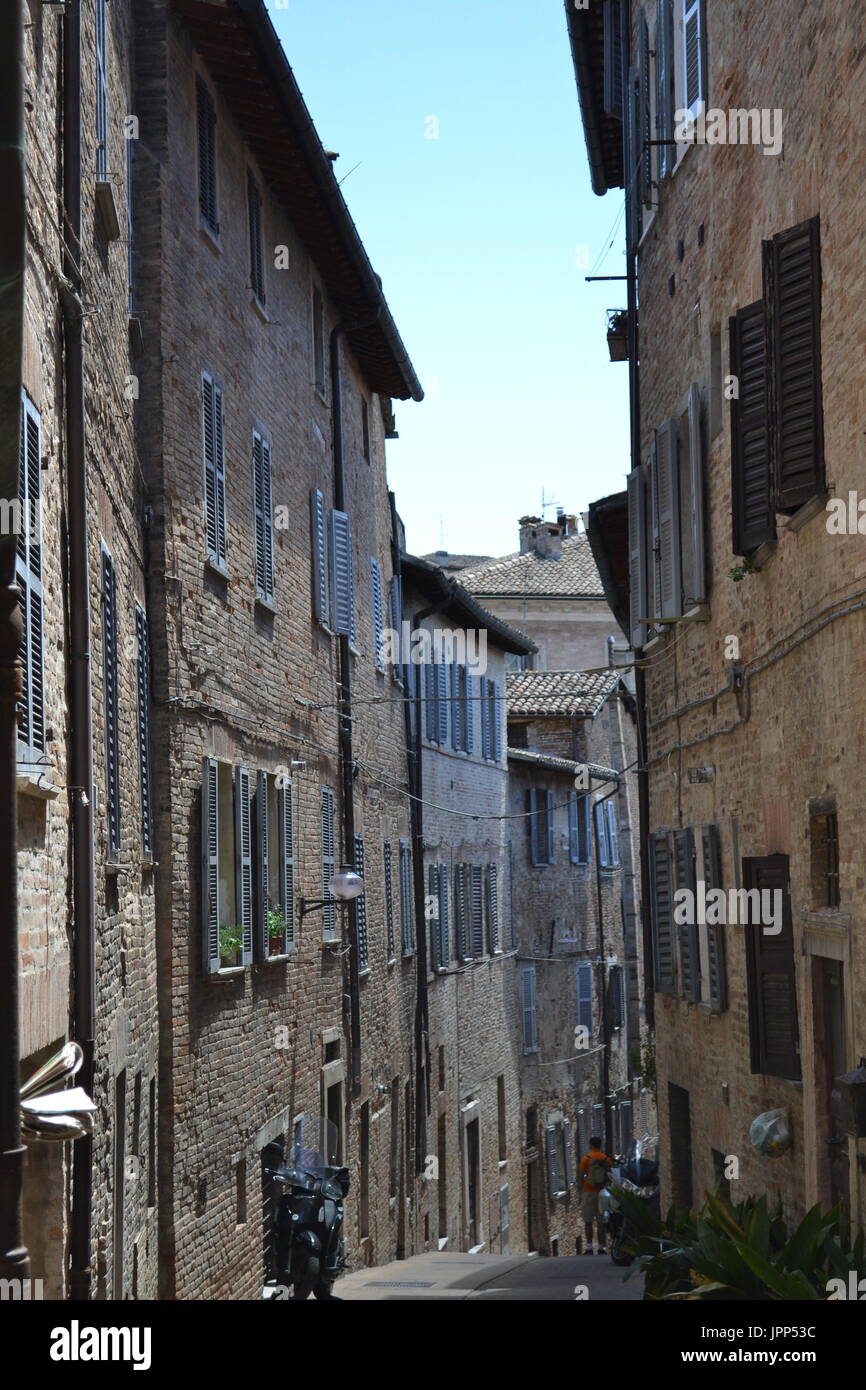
x=519, y=1278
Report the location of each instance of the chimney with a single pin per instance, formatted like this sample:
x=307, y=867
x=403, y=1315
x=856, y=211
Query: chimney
x=542, y=537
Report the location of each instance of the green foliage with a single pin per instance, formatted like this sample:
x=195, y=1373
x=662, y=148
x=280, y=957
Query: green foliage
x=230, y=942
x=739, y=1251
x=277, y=924
x=648, y=1067
x=747, y=566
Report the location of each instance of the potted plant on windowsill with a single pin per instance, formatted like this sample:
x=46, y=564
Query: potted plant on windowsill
x=617, y=334
x=276, y=933
x=230, y=946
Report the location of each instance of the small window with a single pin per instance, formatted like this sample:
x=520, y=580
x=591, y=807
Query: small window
x=824, y=835
x=318, y=342
x=207, y=186
x=257, y=265
x=540, y=808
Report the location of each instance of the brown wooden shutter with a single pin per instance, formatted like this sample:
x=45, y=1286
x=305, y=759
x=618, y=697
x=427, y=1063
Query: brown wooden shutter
x=773, y=1028
x=792, y=291
x=716, y=966
x=690, y=960
x=637, y=556
x=663, y=913
x=751, y=487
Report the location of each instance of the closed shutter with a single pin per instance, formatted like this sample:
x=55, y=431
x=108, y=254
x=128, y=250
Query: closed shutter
x=28, y=569
x=263, y=516
x=110, y=702
x=548, y=801
x=262, y=895
x=626, y=1123
x=395, y=604
x=442, y=701
x=613, y=53
x=668, y=495
x=460, y=906
x=319, y=551
x=285, y=816
x=637, y=556
x=504, y=1222
x=244, y=862
x=644, y=111
x=469, y=684
x=329, y=914
x=142, y=643
x=457, y=708
x=444, y=917
x=257, y=269
x=406, y=925
x=493, y=908
x=553, y=1148
x=751, y=476
x=632, y=159
x=583, y=972
x=717, y=981
x=665, y=85
x=583, y=1135
x=598, y=1122
x=573, y=850
x=690, y=961
x=792, y=292
x=527, y=987
x=584, y=835
x=210, y=887
x=664, y=951
x=484, y=687
x=378, y=612
x=615, y=1134
x=612, y=834
x=342, y=578
x=214, y=471
x=434, y=914
x=495, y=722
x=207, y=200
x=601, y=834
x=616, y=996
x=532, y=825
x=694, y=33
x=653, y=585
x=696, y=578
x=477, y=910
x=431, y=702
x=566, y=1154
x=773, y=1024
x=361, y=909
x=391, y=940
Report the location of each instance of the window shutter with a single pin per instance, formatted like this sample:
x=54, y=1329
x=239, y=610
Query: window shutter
x=431, y=705
x=214, y=471
x=532, y=824
x=495, y=722
x=613, y=50
x=601, y=834
x=477, y=910
x=632, y=161
x=442, y=701
x=653, y=585
x=263, y=516
x=493, y=908
x=665, y=84
x=142, y=642
x=665, y=961
x=28, y=568
x=716, y=964
x=329, y=914
x=668, y=493
x=612, y=834
x=696, y=580
x=555, y=1177
x=616, y=996
x=584, y=830
x=378, y=612
x=548, y=801
x=597, y=1125
x=244, y=862
x=206, y=156
x=361, y=910
x=395, y=603
x=262, y=900
x=321, y=600
x=469, y=684
x=527, y=984
x=792, y=291
x=626, y=1126
x=690, y=962
x=285, y=814
x=342, y=579
x=773, y=1024
x=257, y=270
x=389, y=901
x=566, y=1153
x=637, y=556
x=457, y=708
x=694, y=31
x=406, y=898
x=444, y=919
x=460, y=873
x=434, y=896
x=584, y=996
x=615, y=1134
x=645, y=152
x=573, y=847
x=583, y=1135
x=110, y=690
x=484, y=687
x=210, y=888
x=751, y=479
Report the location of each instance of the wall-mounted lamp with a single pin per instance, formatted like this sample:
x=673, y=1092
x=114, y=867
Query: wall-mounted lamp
x=344, y=886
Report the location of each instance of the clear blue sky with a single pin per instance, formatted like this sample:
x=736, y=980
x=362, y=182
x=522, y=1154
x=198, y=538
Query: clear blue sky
x=474, y=235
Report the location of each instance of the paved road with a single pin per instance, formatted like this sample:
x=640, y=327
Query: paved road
x=518, y=1278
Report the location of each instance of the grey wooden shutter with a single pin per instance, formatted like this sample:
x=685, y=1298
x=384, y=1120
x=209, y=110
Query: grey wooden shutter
x=696, y=580
x=220, y=463
x=597, y=1126
x=110, y=702
x=484, y=686
x=477, y=910
x=457, y=709
x=566, y=1154
x=661, y=876
x=612, y=834
x=495, y=722
x=285, y=816
x=653, y=585
x=613, y=52
x=257, y=270
x=616, y=996
x=442, y=701
x=626, y=1126
x=469, y=684
x=631, y=162
x=584, y=995
x=530, y=1029
x=28, y=571
x=716, y=963
x=406, y=898
x=601, y=834
x=584, y=830
x=378, y=612
x=431, y=705
x=460, y=905
x=101, y=94
x=548, y=801
x=532, y=825
x=244, y=862
x=389, y=901
x=555, y=1174
x=262, y=893
x=395, y=603
x=690, y=961
x=751, y=474
x=644, y=109
x=444, y=917
x=637, y=556
x=792, y=292
x=214, y=471
x=342, y=579
x=329, y=914
x=207, y=200
x=142, y=642
x=665, y=85
x=263, y=517
x=667, y=485
x=361, y=934
x=493, y=908
x=694, y=31
x=573, y=848
x=210, y=886
x=583, y=1135
x=771, y=970
x=319, y=551
x=433, y=894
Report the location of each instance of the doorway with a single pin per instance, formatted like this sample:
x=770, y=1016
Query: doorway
x=473, y=1183
x=828, y=1002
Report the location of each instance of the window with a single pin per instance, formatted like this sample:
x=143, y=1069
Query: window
x=583, y=978
x=530, y=1020
x=439, y=924
x=389, y=902
x=539, y=806
x=491, y=735
x=579, y=837
x=771, y=977
x=664, y=93
x=824, y=837
x=247, y=859
x=606, y=834
x=207, y=185
x=365, y=429
x=363, y=948
x=318, y=342
x=342, y=576
x=626, y=1126
x=694, y=54
x=263, y=518
x=27, y=522
x=110, y=702
x=213, y=426
x=101, y=94
x=142, y=664
x=714, y=984
x=406, y=914
x=378, y=612
x=612, y=834
x=257, y=266
x=476, y=879
x=492, y=885
x=329, y=917
x=616, y=986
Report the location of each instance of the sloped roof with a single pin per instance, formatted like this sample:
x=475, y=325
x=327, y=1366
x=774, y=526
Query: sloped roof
x=573, y=575
x=546, y=694
x=451, y=598
x=449, y=562
x=604, y=134
x=596, y=770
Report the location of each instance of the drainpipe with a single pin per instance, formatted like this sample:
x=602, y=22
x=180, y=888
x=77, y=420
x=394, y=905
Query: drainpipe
x=14, y=1257
x=602, y=993
x=80, y=712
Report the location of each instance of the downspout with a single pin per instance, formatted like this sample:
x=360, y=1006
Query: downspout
x=14, y=1257
x=79, y=675
x=602, y=993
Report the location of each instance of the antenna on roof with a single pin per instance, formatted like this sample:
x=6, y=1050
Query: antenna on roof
x=546, y=503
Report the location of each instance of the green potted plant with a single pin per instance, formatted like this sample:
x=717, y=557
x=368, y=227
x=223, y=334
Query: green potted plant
x=276, y=932
x=230, y=946
x=617, y=334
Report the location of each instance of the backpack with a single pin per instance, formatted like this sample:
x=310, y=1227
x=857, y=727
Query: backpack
x=597, y=1172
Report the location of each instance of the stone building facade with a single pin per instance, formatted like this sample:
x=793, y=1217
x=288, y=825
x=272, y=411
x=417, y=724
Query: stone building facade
x=737, y=585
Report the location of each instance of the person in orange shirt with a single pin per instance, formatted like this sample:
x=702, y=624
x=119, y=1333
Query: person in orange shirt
x=594, y=1166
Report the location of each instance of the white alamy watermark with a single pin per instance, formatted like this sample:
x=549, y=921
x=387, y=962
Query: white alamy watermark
x=735, y=126
x=737, y=907
x=22, y=1290
x=77, y=1343
x=443, y=646
x=18, y=520
x=846, y=518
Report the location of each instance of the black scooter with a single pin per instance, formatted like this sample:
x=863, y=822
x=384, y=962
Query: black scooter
x=309, y=1244
x=638, y=1175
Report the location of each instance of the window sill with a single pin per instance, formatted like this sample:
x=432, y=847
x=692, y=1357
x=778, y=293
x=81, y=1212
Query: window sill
x=215, y=567
x=210, y=236
x=225, y=972
x=113, y=867
x=320, y=395
x=279, y=959
x=260, y=309
x=365, y=973
x=830, y=918
x=816, y=506
x=764, y=552
x=268, y=605
x=32, y=783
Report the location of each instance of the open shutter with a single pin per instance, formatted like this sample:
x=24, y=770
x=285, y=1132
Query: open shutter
x=597, y=1125
x=319, y=551
x=435, y=913
x=262, y=897
x=751, y=476
x=773, y=1024
x=287, y=860
x=694, y=33
x=584, y=995
x=477, y=910
x=395, y=604
x=28, y=570
x=792, y=291
x=221, y=555
x=665, y=84
x=470, y=683
x=548, y=801
x=632, y=161
x=257, y=273
x=626, y=1125
x=110, y=696
x=210, y=887
x=389, y=901
x=361, y=909
x=665, y=960
x=612, y=834
x=690, y=962
x=101, y=94
x=444, y=917
x=263, y=516
x=329, y=914
x=210, y=503
x=378, y=611
x=441, y=671
x=527, y=987
x=566, y=1154
x=573, y=846
x=431, y=706
x=460, y=904
x=493, y=908
x=206, y=156
x=142, y=641
x=532, y=824
x=553, y=1148
x=406, y=898
x=613, y=52
x=342, y=583
x=456, y=708
x=637, y=556
x=495, y=722
x=668, y=494
x=244, y=862
x=696, y=579
x=601, y=834
x=583, y=1135
x=484, y=687
x=716, y=965
x=644, y=111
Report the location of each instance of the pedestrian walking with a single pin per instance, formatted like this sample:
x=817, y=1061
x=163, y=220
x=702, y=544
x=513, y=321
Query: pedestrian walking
x=595, y=1166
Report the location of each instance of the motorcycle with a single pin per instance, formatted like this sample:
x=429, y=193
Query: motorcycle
x=636, y=1174
x=309, y=1220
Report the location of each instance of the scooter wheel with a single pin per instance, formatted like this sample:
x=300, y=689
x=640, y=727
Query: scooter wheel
x=619, y=1256
x=324, y=1293
x=307, y=1279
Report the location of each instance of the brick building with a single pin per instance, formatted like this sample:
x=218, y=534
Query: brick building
x=743, y=232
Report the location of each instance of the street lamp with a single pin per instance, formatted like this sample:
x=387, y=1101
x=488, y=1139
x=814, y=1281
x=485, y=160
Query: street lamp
x=343, y=886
